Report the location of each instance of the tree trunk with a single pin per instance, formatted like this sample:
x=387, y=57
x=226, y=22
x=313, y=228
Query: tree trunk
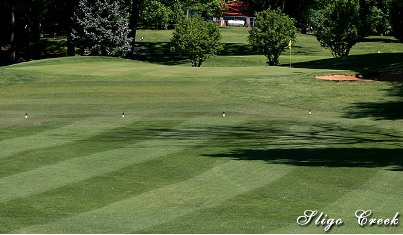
x=71, y=49
x=12, y=36
x=199, y=63
x=134, y=17
x=36, y=29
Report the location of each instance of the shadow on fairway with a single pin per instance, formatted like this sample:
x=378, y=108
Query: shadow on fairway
x=300, y=144
x=325, y=145
x=160, y=53
x=380, y=39
x=237, y=49
x=391, y=110
x=362, y=64
x=380, y=67
x=328, y=157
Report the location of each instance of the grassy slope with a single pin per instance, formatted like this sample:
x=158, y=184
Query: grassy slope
x=306, y=53
x=174, y=165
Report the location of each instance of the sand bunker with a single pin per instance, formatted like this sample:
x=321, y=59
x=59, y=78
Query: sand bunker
x=389, y=76
x=339, y=78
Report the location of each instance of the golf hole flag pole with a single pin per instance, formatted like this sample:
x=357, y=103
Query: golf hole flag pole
x=290, y=46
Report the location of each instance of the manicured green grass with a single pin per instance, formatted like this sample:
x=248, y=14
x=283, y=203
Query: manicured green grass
x=173, y=164
x=370, y=55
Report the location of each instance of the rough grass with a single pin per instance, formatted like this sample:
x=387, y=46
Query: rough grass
x=173, y=164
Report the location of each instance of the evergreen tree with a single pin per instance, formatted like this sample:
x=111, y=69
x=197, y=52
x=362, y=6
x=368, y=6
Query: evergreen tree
x=101, y=27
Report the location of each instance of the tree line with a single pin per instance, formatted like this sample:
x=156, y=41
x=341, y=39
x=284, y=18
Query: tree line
x=24, y=22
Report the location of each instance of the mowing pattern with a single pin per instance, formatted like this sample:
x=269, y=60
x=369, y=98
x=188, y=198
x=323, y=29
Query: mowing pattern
x=173, y=164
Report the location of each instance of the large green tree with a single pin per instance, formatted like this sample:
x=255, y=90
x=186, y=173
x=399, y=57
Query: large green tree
x=339, y=30
x=196, y=40
x=101, y=27
x=272, y=34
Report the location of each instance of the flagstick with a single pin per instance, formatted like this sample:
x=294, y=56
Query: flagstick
x=290, y=57
x=290, y=46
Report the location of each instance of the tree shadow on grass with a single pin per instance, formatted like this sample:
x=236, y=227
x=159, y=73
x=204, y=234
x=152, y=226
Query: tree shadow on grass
x=378, y=111
x=160, y=53
x=390, y=110
x=298, y=144
x=328, y=157
x=363, y=64
x=359, y=147
x=378, y=67
x=380, y=39
x=238, y=49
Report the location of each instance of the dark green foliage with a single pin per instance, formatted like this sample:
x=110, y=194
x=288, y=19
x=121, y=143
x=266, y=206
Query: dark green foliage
x=196, y=40
x=314, y=18
x=164, y=14
x=374, y=16
x=261, y=5
x=156, y=15
x=178, y=12
x=101, y=27
x=379, y=21
x=205, y=8
x=396, y=13
x=209, y=8
x=339, y=30
x=272, y=34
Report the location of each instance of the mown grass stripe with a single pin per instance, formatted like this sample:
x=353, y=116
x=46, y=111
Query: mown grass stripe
x=380, y=193
x=78, y=130
x=78, y=169
x=120, y=137
x=159, y=206
x=103, y=190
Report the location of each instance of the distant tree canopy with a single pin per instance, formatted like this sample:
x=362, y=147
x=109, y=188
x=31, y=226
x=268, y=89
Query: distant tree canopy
x=163, y=14
x=374, y=17
x=196, y=40
x=339, y=30
x=156, y=15
x=272, y=34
